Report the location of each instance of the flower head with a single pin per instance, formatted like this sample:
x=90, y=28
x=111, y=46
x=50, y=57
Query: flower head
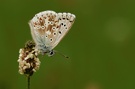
x=28, y=60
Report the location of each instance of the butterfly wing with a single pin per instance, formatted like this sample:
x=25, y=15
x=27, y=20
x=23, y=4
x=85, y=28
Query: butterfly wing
x=40, y=26
x=64, y=21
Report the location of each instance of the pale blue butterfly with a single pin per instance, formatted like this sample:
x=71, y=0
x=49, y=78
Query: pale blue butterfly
x=48, y=28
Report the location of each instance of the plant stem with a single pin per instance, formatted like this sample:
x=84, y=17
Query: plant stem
x=28, y=82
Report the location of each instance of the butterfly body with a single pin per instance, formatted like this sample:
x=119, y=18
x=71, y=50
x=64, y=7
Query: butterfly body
x=48, y=28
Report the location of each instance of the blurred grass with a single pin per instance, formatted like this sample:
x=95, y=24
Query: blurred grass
x=101, y=45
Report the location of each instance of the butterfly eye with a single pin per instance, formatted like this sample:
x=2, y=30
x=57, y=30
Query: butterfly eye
x=51, y=53
x=46, y=36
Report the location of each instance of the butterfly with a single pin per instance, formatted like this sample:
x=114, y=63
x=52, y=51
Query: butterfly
x=48, y=28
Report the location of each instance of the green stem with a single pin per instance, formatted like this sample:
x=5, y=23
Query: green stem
x=28, y=82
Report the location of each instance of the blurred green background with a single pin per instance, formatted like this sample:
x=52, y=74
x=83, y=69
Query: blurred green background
x=101, y=45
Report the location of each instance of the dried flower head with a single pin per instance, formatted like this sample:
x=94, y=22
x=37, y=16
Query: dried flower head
x=28, y=60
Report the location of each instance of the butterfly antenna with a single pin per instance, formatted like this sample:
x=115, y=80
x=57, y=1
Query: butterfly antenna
x=61, y=54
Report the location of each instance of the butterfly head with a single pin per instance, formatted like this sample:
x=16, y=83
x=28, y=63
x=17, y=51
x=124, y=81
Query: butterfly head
x=51, y=53
x=45, y=50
